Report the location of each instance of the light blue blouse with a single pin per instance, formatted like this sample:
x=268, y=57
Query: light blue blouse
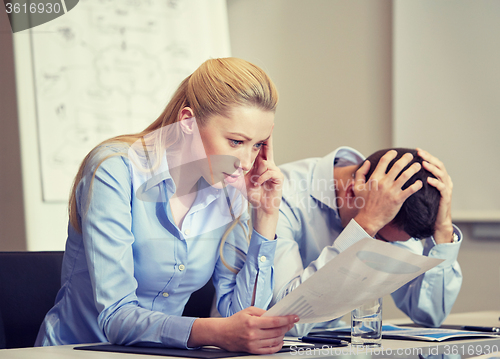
x=127, y=277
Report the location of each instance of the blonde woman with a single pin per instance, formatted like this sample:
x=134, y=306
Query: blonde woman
x=155, y=215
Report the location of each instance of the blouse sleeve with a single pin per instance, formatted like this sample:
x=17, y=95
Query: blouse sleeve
x=253, y=283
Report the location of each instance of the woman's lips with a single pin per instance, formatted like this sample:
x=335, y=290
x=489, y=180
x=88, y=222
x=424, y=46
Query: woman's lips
x=230, y=178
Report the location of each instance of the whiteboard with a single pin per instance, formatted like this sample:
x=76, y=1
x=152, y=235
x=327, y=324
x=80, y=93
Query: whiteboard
x=103, y=69
x=446, y=94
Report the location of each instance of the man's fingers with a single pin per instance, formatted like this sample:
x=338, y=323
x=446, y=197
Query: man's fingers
x=407, y=174
x=411, y=190
x=436, y=171
x=360, y=175
x=383, y=163
x=425, y=155
x=437, y=168
x=430, y=158
x=400, y=165
x=440, y=186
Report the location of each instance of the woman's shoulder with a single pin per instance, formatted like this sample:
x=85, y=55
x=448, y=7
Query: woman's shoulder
x=107, y=155
x=111, y=148
x=106, y=164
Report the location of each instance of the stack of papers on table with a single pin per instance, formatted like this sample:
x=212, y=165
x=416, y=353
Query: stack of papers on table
x=390, y=331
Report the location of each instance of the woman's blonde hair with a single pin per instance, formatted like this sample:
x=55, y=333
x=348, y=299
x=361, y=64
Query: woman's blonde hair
x=215, y=87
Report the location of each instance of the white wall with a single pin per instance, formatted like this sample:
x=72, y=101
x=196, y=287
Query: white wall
x=446, y=94
x=332, y=63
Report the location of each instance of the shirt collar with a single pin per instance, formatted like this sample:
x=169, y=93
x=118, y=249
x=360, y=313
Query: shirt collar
x=160, y=174
x=152, y=177
x=148, y=170
x=323, y=183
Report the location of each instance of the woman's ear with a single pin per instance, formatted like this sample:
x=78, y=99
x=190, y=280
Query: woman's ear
x=187, y=120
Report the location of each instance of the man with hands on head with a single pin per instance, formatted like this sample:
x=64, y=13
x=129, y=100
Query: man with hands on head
x=401, y=196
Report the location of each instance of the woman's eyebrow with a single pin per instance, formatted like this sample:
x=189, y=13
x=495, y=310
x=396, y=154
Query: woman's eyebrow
x=240, y=134
x=246, y=137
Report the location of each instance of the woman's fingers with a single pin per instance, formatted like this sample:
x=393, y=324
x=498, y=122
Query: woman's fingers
x=272, y=331
x=277, y=322
x=268, y=346
x=268, y=171
x=251, y=332
x=270, y=175
x=268, y=150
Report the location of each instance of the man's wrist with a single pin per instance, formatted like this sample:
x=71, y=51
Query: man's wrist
x=369, y=228
x=445, y=236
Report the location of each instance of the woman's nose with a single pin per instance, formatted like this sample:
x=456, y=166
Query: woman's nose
x=244, y=163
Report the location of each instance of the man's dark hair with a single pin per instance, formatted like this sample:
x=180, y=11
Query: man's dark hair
x=418, y=214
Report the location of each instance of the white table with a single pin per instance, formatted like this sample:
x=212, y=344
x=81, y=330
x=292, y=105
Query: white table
x=397, y=348
x=487, y=319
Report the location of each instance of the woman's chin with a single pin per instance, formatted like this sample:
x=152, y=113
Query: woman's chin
x=224, y=180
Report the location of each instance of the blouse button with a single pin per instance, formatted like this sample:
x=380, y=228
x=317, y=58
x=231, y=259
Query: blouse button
x=186, y=232
x=165, y=294
x=263, y=258
x=182, y=267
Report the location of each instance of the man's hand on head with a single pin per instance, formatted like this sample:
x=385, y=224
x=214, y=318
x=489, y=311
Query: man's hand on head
x=444, y=228
x=382, y=194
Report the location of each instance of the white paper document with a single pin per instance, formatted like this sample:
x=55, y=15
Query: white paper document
x=367, y=270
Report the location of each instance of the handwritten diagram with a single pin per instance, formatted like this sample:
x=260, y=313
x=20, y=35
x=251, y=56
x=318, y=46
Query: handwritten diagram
x=108, y=68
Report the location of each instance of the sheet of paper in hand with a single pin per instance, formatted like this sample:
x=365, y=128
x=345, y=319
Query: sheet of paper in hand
x=367, y=270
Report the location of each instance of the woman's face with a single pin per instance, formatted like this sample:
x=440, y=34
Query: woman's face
x=232, y=142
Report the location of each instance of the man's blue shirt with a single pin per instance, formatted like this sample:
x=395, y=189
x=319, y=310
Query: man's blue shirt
x=310, y=234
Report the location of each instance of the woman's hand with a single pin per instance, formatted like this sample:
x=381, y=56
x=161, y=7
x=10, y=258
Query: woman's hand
x=264, y=184
x=244, y=331
x=443, y=232
x=264, y=180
